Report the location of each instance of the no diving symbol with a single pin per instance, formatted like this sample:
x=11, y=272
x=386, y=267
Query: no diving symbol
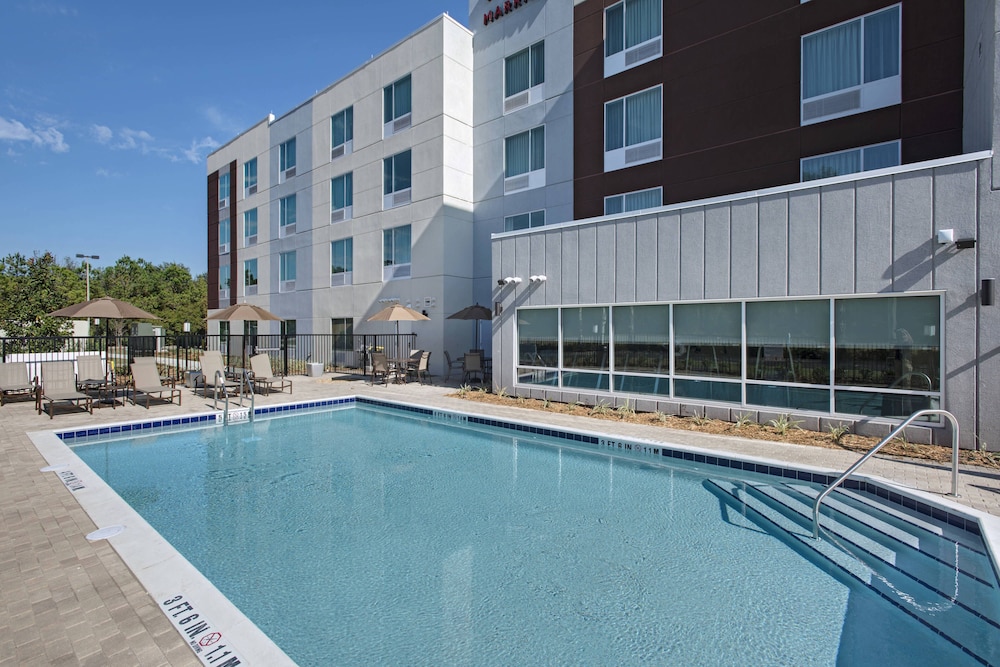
x=210, y=639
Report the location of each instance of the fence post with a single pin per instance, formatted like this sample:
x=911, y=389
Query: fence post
x=284, y=351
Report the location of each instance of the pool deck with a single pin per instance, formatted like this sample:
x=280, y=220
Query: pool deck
x=68, y=601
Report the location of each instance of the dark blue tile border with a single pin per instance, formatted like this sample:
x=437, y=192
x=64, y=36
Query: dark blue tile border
x=823, y=479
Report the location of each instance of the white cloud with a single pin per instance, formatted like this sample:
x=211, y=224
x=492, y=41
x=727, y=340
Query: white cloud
x=134, y=139
x=222, y=122
x=195, y=154
x=52, y=9
x=48, y=137
x=102, y=133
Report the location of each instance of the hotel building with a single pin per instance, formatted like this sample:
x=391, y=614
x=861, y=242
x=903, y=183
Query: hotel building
x=717, y=207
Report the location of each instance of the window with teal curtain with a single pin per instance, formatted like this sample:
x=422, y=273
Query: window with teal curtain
x=642, y=117
x=342, y=256
x=517, y=73
x=631, y=23
x=881, y=156
x=524, y=152
x=633, y=201
x=396, y=173
x=836, y=164
x=524, y=221
x=342, y=191
x=882, y=44
x=342, y=127
x=537, y=64
x=286, y=211
x=614, y=123
x=396, y=99
x=831, y=60
x=614, y=29
x=286, y=155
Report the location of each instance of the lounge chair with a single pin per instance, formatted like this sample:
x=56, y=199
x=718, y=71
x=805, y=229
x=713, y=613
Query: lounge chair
x=263, y=378
x=14, y=379
x=451, y=364
x=146, y=381
x=214, y=375
x=58, y=381
x=92, y=376
x=421, y=368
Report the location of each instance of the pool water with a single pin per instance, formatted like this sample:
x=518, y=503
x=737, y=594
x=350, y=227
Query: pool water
x=360, y=536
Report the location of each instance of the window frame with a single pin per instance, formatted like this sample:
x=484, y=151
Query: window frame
x=346, y=275
x=225, y=281
x=861, y=159
x=392, y=197
x=643, y=152
x=345, y=212
x=345, y=147
x=391, y=247
x=534, y=177
x=287, y=160
x=534, y=218
x=287, y=227
x=250, y=239
x=630, y=56
x=286, y=282
x=225, y=242
x=535, y=90
x=625, y=195
x=250, y=180
x=224, y=190
x=250, y=288
x=393, y=121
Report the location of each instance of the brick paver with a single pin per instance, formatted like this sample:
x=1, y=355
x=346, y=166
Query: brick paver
x=67, y=601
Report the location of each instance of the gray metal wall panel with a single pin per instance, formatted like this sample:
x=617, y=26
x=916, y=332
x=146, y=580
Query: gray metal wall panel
x=586, y=271
x=626, y=265
x=988, y=335
x=603, y=269
x=772, y=262
x=718, y=258
x=873, y=236
x=836, y=253
x=743, y=271
x=692, y=262
x=535, y=291
x=668, y=242
x=912, y=243
x=803, y=243
x=646, y=267
x=568, y=272
x=553, y=285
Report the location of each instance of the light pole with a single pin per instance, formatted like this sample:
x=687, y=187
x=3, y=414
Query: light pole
x=86, y=261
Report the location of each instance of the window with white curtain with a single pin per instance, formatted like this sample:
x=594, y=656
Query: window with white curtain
x=224, y=190
x=632, y=34
x=633, y=201
x=852, y=67
x=342, y=197
x=867, y=158
x=396, y=180
x=341, y=133
x=524, y=160
x=250, y=227
x=286, y=216
x=396, y=253
x=513, y=223
x=633, y=127
x=250, y=177
x=286, y=160
x=341, y=262
x=250, y=277
x=286, y=271
x=396, y=106
x=524, y=73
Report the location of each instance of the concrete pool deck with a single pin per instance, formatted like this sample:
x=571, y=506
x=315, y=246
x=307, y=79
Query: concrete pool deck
x=68, y=601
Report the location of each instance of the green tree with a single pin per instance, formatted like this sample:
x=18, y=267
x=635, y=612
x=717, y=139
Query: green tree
x=30, y=287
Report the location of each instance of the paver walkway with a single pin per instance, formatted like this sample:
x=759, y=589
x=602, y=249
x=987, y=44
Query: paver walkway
x=67, y=601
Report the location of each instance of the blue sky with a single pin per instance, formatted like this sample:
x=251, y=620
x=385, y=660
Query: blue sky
x=108, y=108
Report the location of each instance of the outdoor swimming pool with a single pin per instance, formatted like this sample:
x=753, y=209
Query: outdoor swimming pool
x=363, y=535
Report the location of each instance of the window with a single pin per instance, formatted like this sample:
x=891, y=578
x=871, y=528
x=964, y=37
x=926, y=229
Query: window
x=396, y=107
x=632, y=34
x=513, y=223
x=250, y=227
x=250, y=277
x=286, y=271
x=633, y=201
x=223, y=282
x=867, y=158
x=524, y=160
x=396, y=180
x=224, y=237
x=851, y=67
x=342, y=197
x=341, y=262
x=342, y=133
x=286, y=160
x=344, y=355
x=286, y=216
x=396, y=253
x=642, y=349
x=633, y=127
x=223, y=190
x=250, y=178
x=524, y=73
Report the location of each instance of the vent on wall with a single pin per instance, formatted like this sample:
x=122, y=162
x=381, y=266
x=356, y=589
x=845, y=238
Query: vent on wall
x=643, y=52
x=287, y=285
x=251, y=240
x=515, y=102
x=401, y=197
x=223, y=248
x=252, y=190
x=286, y=230
x=401, y=123
x=650, y=151
x=223, y=203
x=251, y=290
x=289, y=172
x=834, y=104
x=337, y=152
x=340, y=214
x=515, y=183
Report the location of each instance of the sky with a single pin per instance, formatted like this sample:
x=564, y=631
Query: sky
x=108, y=108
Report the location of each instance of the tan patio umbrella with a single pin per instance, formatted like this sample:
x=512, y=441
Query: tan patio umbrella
x=243, y=312
x=398, y=313
x=474, y=312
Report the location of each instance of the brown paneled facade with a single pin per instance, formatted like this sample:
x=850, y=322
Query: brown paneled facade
x=730, y=72
x=214, y=219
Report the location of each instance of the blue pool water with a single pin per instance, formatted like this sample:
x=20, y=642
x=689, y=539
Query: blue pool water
x=358, y=536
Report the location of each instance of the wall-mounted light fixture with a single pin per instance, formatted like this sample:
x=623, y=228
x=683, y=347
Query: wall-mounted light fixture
x=508, y=280
x=945, y=236
x=538, y=279
x=986, y=292
x=964, y=244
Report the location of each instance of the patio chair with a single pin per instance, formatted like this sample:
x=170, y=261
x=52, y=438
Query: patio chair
x=381, y=368
x=146, y=381
x=214, y=375
x=58, y=380
x=14, y=379
x=92, y=376
x=263, y=377
x=420, y=369
x=472, y=365
x=451, y=364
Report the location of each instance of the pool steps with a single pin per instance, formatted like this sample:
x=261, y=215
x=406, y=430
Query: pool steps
x=903, y=561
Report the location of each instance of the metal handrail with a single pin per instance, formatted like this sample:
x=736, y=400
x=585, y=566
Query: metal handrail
x=253, y=396
x=886, y=440
x=225, y=395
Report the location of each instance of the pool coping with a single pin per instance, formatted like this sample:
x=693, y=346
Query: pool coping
x=209, y=622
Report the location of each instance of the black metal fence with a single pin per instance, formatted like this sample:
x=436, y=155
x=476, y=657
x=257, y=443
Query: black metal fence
x=178, y=354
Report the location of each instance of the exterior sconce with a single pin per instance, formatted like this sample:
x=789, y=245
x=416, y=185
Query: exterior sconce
x=986, y=292
x=945, y=236
x=963, y=244
x=538, y=279
x=508, y=280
